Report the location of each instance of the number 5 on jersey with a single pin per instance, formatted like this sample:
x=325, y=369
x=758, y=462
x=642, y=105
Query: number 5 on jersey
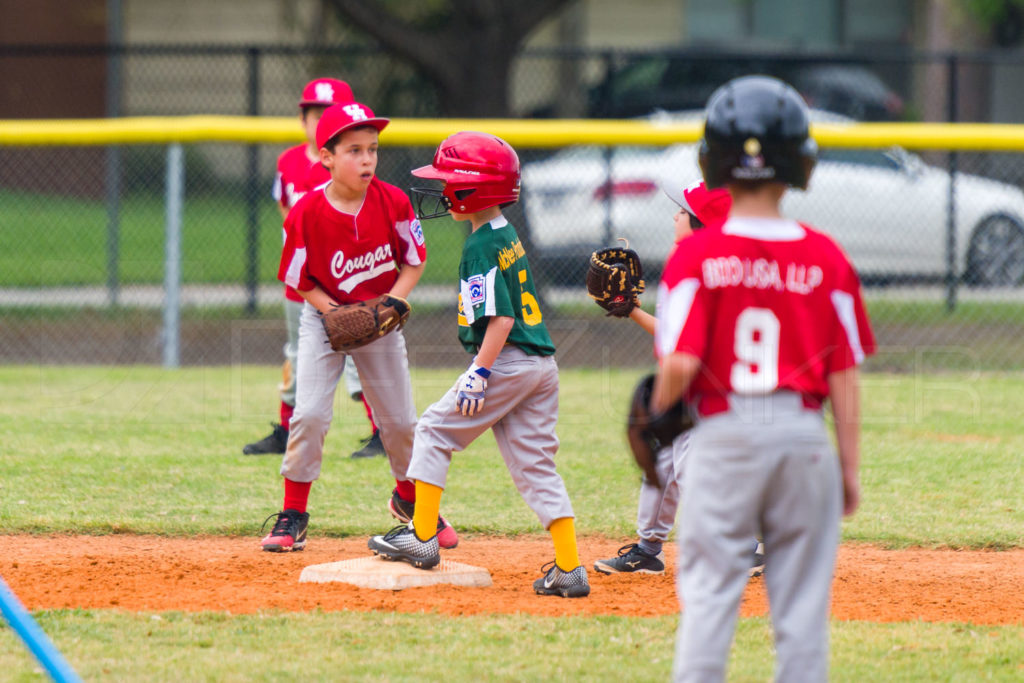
x=531, y=309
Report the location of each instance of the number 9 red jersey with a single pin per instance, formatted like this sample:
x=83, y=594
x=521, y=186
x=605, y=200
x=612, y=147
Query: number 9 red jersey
x=766, y=304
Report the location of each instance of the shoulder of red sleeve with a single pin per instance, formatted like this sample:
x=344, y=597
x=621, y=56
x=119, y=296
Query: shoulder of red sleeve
x=825, y=242
x=395, y=196
x=387, y=188
x=685, y=254
x=306, y=203
x=286, y=155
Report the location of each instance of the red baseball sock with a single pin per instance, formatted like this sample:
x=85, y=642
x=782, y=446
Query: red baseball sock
x=369, y=413
x=406, y=490
x=286, y=414
x=296, y=494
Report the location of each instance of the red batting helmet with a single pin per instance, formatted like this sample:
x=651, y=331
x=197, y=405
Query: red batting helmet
x=340, y=117
x=479, y=171
x=323, y=92
x=707, y=206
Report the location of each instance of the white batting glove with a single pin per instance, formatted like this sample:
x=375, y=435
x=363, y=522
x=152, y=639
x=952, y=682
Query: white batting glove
x=471, y=387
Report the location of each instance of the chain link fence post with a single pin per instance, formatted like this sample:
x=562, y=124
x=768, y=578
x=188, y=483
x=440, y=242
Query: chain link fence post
x=951, y=269
x=252, y=192
x=172, y=255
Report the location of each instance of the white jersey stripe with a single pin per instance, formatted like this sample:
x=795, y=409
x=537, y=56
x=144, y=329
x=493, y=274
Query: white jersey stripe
x=766, y=229
x=349, y=283
x=672, y=309
x=468, y=307
x=291, y=276
x=490, y=309
x=468, y=312
x=844, y=305
x=404, y=230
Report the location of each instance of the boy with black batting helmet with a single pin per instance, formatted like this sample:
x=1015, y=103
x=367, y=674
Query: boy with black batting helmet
x=759, y=324
x=511, y=386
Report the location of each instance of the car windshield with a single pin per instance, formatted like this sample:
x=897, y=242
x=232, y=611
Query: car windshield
x=642, y=75
x=594, y=153
x=861, y=157
x=855, y=78
x=893, y=159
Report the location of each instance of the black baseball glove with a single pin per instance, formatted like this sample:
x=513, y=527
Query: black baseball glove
x=650, y=434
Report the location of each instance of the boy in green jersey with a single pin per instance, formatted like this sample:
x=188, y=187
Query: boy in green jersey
x=513, y=369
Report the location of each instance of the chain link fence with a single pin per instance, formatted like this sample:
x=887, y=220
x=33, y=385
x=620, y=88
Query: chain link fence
x=938, y=236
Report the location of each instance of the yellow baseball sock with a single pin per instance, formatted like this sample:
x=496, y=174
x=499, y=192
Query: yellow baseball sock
x=428, y=505
x=563, y=533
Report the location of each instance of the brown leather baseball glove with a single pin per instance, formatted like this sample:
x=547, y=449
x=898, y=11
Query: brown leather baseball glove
x=349, y=326
x=615, y=280
x=649, y=435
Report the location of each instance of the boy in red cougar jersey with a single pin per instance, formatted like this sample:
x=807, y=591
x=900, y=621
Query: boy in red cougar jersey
x=351, y=240
x=759, y=323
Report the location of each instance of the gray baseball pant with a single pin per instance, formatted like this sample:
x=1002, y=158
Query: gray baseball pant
x=656, y=509
x=765, y=466
x=521, y=407
x=383, y=367
x=292, y=313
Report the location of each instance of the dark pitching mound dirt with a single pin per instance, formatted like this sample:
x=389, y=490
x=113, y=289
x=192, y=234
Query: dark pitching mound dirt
x=149, y=573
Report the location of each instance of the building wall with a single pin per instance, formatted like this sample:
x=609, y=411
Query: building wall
x=637, y=24
x=56, y=85
x=223, y=21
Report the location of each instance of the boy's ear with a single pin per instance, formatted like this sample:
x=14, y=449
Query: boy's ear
x=326, y=157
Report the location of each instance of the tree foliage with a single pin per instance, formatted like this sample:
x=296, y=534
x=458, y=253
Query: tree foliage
x=1003, y=19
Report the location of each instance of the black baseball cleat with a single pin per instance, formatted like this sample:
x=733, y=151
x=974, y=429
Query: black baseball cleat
x=402, y=510
x=275, y=442
x=372, y=446
x=632, y=559
x=557, y=581
x=757, y=564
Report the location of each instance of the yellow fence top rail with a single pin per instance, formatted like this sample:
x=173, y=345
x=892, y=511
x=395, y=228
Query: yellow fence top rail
x=524, y=133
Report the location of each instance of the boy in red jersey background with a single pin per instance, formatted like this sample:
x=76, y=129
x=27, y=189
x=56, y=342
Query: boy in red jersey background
x=656, y=508
x=351, y=240
x=299, y=171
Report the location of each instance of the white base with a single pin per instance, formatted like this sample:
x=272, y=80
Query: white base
x=378, y=573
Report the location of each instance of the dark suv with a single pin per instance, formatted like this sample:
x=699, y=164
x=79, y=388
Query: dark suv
x=636, y=86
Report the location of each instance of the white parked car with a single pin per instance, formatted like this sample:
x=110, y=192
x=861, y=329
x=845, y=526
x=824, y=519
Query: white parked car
x=888, y=209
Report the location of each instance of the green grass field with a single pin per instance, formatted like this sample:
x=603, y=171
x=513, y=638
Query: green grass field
x=100, y=450
x=61, y=241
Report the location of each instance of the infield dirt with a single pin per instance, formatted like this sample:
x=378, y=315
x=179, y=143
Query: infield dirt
x=152, y=573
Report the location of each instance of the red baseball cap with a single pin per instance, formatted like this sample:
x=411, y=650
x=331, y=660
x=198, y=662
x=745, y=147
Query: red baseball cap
x=323, y=92
x=341, y=117
x=709, y=206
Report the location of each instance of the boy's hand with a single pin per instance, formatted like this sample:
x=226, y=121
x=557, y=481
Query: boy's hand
x=469, y=398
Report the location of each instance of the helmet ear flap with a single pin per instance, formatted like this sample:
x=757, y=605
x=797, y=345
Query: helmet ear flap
x=808, y=159
x=713, y=177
